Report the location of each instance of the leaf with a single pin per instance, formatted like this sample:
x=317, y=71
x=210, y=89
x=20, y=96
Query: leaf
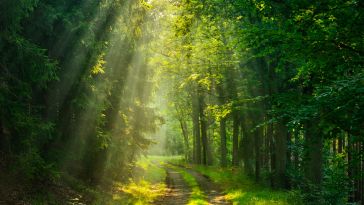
x=98, y=68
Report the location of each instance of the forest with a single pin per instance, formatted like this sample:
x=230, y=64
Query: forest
x=182, y=102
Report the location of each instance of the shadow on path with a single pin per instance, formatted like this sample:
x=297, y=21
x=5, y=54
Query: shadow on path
x=178, y=191
x=214, y=194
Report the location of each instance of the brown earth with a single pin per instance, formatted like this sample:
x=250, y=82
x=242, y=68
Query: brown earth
x=214, y=194
x=179, y=192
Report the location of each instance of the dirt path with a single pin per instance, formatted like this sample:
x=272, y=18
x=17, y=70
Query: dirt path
x=178, y=191
x=212, y=191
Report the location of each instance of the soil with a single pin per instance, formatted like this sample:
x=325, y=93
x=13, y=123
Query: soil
x=214, y=194
x=179, y=192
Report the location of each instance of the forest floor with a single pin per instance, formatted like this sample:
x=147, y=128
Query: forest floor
x=159, y=181
x=212, y=190
x=186, y=186
x=202, y=185
x=178, y=191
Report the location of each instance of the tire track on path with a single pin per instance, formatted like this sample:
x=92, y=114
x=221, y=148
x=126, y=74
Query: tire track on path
x=178, y=192
x=212, y=191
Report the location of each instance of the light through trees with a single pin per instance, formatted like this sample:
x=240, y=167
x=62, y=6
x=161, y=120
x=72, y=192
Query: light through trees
x=271, y=89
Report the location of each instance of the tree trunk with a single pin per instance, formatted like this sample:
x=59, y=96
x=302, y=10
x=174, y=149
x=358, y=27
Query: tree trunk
x=350, y=168
x=247, y=148
x=223, y=150
x=313, y=154
x=361, y=192
x=296, y=159
x=203, y=124
x=235, y=160
x=272, y=152
x=183, y=125
x=340, y=145
x=210, y=158
x=257, y=143
x=280, y=156
x=196, y=127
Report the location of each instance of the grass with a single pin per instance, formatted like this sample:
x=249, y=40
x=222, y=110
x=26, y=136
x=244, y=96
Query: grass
x=197, y=196
x=144, y=192
x=147, y=183
x=240, y=189
x=177, y=159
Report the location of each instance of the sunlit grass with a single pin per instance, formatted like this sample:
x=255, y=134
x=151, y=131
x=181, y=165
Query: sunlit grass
x=240, y=189
x=144, y=192
x=170, y=159
x=148, y=183
x=151, y=170
x=197, y=196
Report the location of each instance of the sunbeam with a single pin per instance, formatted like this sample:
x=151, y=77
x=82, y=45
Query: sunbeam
x=181, y=102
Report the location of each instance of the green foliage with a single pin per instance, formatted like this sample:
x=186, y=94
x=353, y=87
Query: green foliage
x=76, y=85
x=66, y=108
x=336, y=185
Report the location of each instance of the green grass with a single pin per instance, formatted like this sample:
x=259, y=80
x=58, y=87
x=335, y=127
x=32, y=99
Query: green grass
x=240, y=189
x=197, y=196
x=152, y=170
x=143, y=192
x=177, y=159
x=148, y=183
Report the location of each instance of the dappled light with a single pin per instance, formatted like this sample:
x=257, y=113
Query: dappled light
x=181, y=102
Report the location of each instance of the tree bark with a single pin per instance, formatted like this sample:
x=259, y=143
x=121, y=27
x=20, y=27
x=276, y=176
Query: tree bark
x=313, y=154
x=196, y=127
x=203, y=124
x=257, y=143
x=272, y=152
x=235, y=160
x=296, y=159
x=247, y=147
x=183, y=125
x=280, y=156
x=340, y=145
x=223, y=150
